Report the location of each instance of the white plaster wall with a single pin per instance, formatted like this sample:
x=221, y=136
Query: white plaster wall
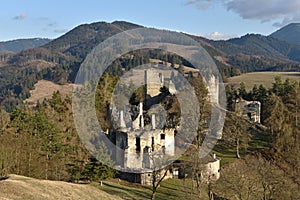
x=211, y=171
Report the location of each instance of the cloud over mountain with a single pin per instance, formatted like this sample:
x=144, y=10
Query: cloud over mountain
x=281, y=12
x=285, y=11
x=217, y=36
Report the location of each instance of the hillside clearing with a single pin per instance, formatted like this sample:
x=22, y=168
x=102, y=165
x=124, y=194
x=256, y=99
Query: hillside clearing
x=44, y=89
x=264, y=78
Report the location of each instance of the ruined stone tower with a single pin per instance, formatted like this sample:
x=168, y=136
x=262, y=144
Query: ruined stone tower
x=153, y=81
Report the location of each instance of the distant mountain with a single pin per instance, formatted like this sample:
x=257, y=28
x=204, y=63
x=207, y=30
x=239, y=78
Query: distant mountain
x=82, y=39
x=289, y=33
x=15, y=46
x=255, y=44
x=60, y=59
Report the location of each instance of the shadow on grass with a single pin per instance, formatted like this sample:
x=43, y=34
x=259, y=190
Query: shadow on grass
x=171, y=189
x=176, y=189
x=260, y=141
x=113, y=189
x=293, y=74
x=4, y=178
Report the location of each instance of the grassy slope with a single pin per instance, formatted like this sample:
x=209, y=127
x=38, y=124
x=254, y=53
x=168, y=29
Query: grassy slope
x=227, y=152
x=170, y=189
x=264, y=78
x=45, y=89
x=20, y=187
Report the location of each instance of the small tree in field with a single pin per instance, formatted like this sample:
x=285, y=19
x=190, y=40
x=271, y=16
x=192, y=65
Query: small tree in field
x=235, y=131
x=160, y=166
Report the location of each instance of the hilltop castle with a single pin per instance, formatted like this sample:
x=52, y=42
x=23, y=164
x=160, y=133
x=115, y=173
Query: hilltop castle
x=136, y=140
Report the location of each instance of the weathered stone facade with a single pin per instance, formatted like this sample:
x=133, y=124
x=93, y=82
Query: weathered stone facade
x=155, y=79
x=213, y=89
x=249, y=109
x=209, y=168
x=136, y=141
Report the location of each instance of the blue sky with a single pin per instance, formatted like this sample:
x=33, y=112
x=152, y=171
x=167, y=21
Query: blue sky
x=215, y=19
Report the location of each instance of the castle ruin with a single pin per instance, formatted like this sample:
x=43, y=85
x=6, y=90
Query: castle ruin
x=137, y=141
x=249, y=109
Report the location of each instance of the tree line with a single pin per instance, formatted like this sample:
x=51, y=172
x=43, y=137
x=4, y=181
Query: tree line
x=42, y=142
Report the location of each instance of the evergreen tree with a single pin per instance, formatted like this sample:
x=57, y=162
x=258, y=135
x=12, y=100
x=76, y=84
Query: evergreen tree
x=99, y=167
x=242, y=91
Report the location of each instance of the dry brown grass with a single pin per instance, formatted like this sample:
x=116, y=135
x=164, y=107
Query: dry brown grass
x=264, y=78
x=44, y=89
x=20, y=187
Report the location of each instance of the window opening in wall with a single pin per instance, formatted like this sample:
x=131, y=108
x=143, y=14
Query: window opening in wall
x=138, y=144
x=152, y=143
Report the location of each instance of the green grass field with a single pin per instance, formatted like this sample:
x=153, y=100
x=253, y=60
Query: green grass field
x=264, y=78
x=227, y=152
x=170, y=189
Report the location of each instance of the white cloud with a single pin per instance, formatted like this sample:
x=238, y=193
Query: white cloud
x=287, y=20
x=60, y=30
x=201, y=4
x=20, y=17
x=281, y=12
x=217, y=36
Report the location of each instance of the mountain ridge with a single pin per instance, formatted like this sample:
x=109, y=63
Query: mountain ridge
x=268, y=45
x=60, y=59
x=17, y=45
x=289, y=33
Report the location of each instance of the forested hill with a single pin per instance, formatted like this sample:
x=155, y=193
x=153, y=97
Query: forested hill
x=289, y=33
x=268, y=46
x=57, y=60
x=60, y=59
x=15, y=46
x=82, y=39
